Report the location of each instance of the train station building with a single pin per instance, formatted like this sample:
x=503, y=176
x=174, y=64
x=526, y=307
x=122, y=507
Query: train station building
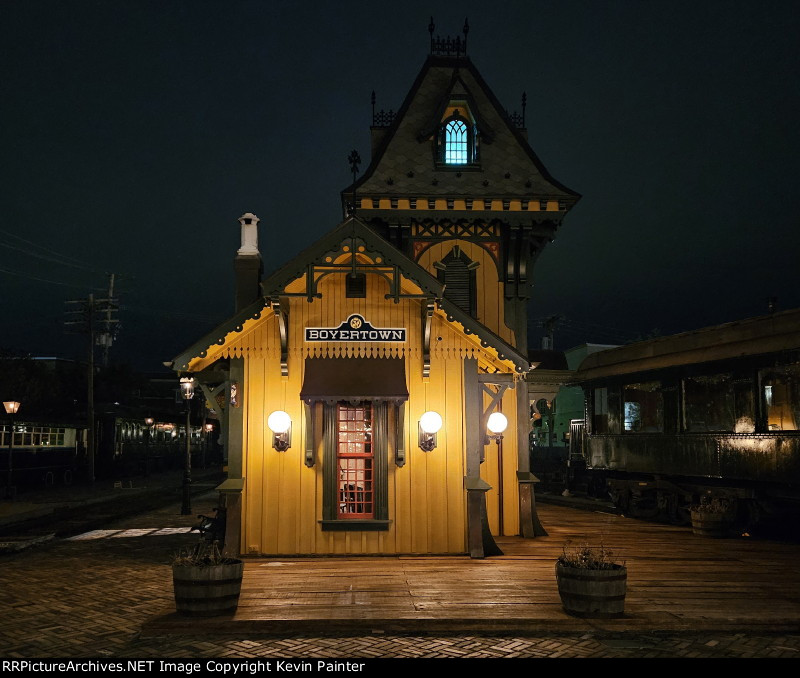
x=372, y=390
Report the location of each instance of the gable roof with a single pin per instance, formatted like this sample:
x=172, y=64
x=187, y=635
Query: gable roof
x=505, y=151
x=275, y=284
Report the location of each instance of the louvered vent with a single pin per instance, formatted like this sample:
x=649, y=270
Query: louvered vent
x=457, y=280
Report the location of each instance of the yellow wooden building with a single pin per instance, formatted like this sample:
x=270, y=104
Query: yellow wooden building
x=360, y=384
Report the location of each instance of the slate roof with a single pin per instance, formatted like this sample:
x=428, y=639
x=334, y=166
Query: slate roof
x=504, y=150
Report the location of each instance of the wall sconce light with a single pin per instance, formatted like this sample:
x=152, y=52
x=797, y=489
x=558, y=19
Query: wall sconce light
x=280, y=423
x=497, y=423
x=429, y=425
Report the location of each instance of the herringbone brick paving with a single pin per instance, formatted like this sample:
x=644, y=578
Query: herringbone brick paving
x=90, y=599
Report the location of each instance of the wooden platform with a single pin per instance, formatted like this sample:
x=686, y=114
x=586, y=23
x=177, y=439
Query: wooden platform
x=676, y=581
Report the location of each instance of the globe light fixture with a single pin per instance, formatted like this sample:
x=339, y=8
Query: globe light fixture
x=429, y=425
x=496, y=424
x=280, y=423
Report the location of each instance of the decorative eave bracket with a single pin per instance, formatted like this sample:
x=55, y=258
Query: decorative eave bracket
x=427, y=321
x=283, y=328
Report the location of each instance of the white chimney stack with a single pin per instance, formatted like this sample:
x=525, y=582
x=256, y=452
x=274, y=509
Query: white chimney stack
x=249, y=222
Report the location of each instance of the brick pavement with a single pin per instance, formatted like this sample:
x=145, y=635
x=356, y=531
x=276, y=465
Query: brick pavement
x=90, y=598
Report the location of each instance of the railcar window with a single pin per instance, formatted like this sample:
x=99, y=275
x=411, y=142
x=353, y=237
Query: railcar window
x=600, y=419
x=781, y=391
x=33, y=436
x=717, y=403
x=644, y=407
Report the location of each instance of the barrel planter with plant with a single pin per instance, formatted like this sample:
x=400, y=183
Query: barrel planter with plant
x=590, y=582
x=205, y=583
x=714, y=517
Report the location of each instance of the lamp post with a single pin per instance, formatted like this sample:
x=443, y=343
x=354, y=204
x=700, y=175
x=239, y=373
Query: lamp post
x=11, y=407
x=148, y=428
x=187, y=391
x=208, y=428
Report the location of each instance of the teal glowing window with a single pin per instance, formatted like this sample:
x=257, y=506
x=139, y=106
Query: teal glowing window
x=455, y=143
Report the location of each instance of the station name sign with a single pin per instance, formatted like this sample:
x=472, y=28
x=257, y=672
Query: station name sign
x=355, y=328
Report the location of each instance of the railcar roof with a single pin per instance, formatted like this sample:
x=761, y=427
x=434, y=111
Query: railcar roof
x=749, y=337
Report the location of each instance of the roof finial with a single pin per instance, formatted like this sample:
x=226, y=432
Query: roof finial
x=373, y=104
x=449, y=46
x=524, y=103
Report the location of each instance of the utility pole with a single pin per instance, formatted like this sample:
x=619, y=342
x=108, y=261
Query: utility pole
x=80, y=319
x=550, y=325
x=109, y=324
x=83, y=317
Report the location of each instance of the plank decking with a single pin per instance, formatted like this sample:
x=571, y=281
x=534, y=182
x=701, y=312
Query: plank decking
x=676, y=581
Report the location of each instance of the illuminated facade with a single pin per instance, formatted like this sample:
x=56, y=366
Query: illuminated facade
x=366, y=370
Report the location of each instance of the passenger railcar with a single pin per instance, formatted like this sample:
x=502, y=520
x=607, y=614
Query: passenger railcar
x=710, y=413
x=40, y=454
x=45, y=454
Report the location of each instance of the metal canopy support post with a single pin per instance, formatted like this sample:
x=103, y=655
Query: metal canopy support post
x=479, y=538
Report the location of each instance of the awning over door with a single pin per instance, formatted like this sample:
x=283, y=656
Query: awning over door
x=354, y=379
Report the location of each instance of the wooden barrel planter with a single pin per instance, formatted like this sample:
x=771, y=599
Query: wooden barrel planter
x=592, y=593
x=709, y=524
x=207, y=591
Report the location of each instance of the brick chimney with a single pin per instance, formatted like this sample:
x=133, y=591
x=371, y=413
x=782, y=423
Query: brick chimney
x=247, y=264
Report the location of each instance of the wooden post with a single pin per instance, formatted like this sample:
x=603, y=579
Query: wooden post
x=479, y=538
x=530, y=525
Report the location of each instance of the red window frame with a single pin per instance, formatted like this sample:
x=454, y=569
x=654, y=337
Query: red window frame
x=355, y=462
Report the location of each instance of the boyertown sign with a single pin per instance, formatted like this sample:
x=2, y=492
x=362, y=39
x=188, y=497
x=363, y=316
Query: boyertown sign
x=356, y=328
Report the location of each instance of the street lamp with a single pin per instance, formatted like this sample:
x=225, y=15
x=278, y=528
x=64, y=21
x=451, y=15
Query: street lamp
x=11, y=407
x=148, y=430
x=187, y=391
x=208, y=428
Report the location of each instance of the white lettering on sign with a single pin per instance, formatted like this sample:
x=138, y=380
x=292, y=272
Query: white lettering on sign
x=356, y=328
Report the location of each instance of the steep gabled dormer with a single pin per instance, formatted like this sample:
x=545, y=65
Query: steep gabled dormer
x=453, y=179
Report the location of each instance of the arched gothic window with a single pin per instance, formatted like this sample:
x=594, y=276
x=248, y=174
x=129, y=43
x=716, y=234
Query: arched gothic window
x=457, y=142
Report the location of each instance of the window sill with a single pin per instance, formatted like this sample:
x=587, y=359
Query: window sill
x=466, y=167
x=355, y=525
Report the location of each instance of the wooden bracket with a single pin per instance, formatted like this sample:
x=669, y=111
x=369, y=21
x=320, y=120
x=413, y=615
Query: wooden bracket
x=427, y=322
x=309, y=410
x=400, y=440
x=283, y=328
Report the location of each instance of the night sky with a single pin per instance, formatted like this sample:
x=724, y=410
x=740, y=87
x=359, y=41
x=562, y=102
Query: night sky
x=133, y=134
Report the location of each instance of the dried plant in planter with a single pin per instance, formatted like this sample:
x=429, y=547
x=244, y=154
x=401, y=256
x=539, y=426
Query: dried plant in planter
x=202, y=554
x=587, y=557
x=716, y=505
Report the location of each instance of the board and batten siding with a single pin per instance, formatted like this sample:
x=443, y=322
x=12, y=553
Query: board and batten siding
x=282, y=497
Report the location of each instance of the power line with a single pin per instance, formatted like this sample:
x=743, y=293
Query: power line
x=42, y=247
x=46, y=258
x=52, y=282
